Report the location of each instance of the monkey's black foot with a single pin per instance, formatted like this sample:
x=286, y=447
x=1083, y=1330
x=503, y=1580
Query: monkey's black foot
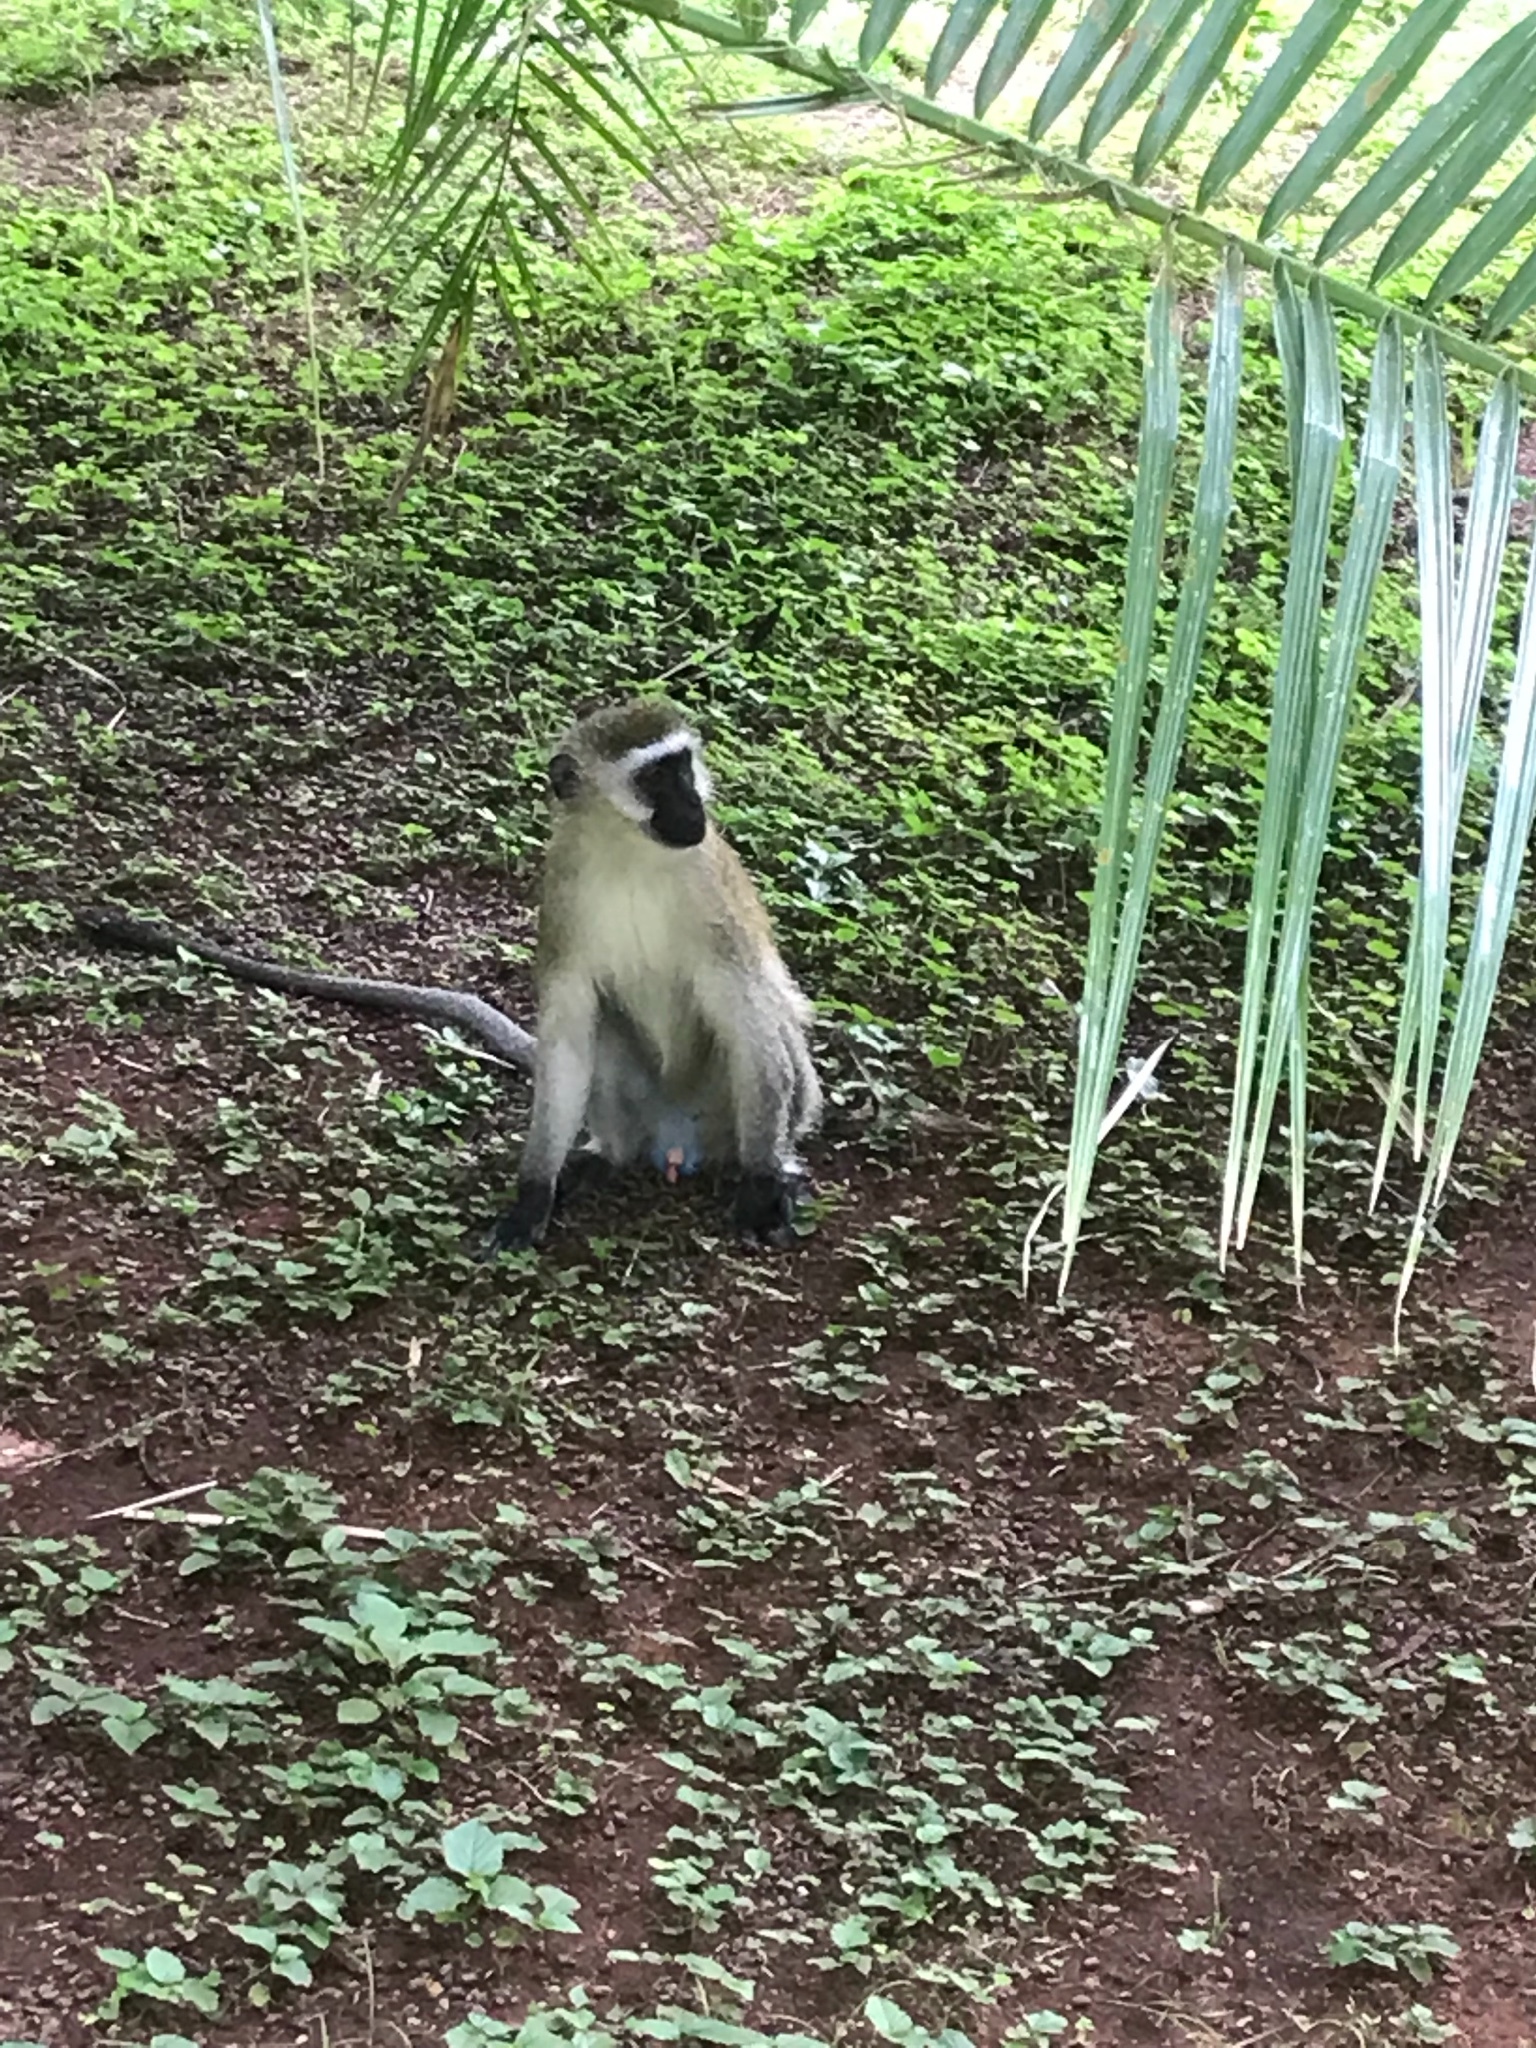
x=523, y=1226
x=765, y=1208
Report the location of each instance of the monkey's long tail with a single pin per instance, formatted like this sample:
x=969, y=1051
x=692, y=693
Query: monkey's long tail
x=495, y=1030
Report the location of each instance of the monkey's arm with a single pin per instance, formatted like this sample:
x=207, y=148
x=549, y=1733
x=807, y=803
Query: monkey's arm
x=495, y=1030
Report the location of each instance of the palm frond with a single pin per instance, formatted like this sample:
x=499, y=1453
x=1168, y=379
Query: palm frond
x=1098, y=1040
x=1457, y=598
x=1210, y=34
x=1118, y=924
x=1376, y=484
x=1165, y=56
x=1309, y=352
x=1514, y=812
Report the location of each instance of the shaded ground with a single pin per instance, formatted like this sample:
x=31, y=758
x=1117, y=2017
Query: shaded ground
x=63, y=146
x=1008, y=1494
x=801, y=1630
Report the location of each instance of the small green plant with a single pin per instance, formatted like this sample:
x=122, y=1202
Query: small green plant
x=126, y=1722
x=1205, y=1937
x=158, y=1977
x=1415, y=1947
x=409, y=1659
x=479, y=1886
x=266, y=1516
x=892, y=2023
x=299, y=1911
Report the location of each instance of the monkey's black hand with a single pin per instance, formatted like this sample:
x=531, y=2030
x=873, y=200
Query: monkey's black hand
x=765, y=1209
x=521, y=1227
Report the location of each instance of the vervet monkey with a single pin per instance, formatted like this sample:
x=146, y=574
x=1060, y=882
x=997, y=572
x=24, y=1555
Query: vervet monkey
x=668, y=1025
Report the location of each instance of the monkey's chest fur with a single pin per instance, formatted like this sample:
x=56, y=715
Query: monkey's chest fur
x=660, y=1084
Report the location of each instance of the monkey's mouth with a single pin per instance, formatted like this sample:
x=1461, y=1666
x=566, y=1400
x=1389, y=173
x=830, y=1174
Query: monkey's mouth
x=680, y=829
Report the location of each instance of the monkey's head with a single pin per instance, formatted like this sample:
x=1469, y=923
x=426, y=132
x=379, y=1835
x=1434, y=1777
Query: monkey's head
x=644, y=760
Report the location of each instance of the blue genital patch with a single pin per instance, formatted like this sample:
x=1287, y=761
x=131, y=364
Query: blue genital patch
x=677, y=1133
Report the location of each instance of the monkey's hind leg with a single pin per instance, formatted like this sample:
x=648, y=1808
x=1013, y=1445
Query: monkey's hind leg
x=585, y=1173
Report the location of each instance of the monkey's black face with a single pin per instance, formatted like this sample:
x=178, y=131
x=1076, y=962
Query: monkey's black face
x=677, y=810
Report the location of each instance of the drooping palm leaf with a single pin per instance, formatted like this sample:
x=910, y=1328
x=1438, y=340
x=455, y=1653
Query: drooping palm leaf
x=1376, y=485
x=1514, y=812
x=1308, y=347
x=1119, y=921
x=1097, y=1036
x=1457, y=601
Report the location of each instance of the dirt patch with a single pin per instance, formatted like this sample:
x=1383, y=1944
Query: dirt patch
x=1261, y=1865
x=72, y=145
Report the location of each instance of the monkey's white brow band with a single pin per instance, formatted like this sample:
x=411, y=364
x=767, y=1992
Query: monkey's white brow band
x=641, y=757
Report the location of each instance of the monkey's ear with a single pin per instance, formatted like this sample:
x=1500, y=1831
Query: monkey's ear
x=564, y=776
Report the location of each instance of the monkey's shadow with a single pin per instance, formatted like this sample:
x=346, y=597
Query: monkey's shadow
x=589, y=1183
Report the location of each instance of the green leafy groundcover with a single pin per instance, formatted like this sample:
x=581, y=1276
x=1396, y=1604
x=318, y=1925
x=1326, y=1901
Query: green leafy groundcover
x=857, y=480
x=45, y=51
